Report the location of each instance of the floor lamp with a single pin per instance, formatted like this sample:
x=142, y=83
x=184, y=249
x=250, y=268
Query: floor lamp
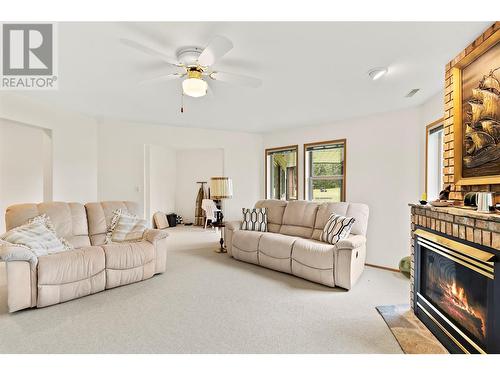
x=221, y=188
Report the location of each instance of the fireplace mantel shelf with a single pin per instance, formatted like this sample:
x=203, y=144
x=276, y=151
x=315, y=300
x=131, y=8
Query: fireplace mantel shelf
x=457, y=211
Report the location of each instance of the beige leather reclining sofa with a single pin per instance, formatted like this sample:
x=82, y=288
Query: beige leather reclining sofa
x=92, y=266
x=292, y=243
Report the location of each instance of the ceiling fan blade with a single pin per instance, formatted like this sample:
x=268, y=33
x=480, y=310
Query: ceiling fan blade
x=150, y=51
x=217, y=48
x=210, y=91
x=166, y=77
x=237, y=79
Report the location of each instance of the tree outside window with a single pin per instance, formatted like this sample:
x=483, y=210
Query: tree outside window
x=325, y=171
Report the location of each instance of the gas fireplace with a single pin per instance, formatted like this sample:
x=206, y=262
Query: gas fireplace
x=456, y=293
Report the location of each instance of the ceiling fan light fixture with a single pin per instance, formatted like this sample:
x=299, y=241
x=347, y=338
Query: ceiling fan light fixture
x=194, y=87
x=196, y=64
x=377, y=73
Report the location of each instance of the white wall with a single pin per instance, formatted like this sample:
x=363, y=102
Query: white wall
x=21, y=165
x=121, y=167
x=385, y=161
x=195, y=165
x=430, y=111
x=159, y=179
x=74, y=144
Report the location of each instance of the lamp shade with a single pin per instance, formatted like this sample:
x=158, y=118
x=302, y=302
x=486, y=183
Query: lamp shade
x=221, y=188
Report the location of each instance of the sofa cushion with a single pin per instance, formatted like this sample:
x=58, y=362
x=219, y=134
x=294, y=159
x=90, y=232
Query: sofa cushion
x=128, y=263
x=70, y=274
x=247, y=240
x=275, y=210
x=99, y=215
x=313, y=260
x=323, y=214
x=275, y=250
x=358, y=211
x=276, y=245
x=245, y=245
x=298, y=218
x=313, y=253
x=69, y=219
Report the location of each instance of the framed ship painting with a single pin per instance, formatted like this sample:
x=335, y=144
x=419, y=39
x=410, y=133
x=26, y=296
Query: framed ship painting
x=476, y=115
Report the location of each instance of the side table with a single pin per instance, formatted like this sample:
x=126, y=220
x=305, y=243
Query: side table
x=221, y=226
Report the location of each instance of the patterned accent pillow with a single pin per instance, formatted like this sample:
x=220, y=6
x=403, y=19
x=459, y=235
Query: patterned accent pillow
x=337, y=228
x=254, y=219
x=38, y=235
x=125, y=227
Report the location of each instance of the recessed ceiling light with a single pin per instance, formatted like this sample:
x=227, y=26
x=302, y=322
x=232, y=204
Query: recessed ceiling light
x=377, y=73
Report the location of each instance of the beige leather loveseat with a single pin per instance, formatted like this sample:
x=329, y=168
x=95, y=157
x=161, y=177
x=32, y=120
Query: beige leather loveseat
x=92, y=266
x=292, y=243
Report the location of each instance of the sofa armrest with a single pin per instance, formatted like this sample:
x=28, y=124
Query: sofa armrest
x=10, y=252
x=231, y=228
x=159, y=240
x=21, y=285
x=233, y=225
x=153, y=235
x=349, y=261
x=352, y=242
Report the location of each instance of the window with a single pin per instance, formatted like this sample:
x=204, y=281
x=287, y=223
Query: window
x=434, y=160
x=324, y=174
x=281, y=173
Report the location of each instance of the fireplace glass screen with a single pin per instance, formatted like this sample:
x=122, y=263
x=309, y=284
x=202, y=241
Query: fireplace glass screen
x=458, y=292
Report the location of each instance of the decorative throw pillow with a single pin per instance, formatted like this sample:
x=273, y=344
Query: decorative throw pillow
x=160, y=220
x=337, y=228
x=125, y=227
x=254, y=219
x=38, y=235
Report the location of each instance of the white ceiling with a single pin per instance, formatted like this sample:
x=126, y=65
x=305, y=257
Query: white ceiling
x=313, y=73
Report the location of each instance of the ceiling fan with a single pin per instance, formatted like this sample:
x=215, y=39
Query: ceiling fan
x=196, y=64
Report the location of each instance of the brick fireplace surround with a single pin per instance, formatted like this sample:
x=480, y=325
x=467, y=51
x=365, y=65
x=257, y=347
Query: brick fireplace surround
x=466, y=225
x=469, y=227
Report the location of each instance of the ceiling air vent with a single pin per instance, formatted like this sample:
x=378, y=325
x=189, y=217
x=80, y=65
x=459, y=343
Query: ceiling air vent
x=411, y=93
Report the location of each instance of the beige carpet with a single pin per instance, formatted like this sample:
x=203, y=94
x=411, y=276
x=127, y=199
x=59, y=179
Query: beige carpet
x=210, y=303
x=413, y=336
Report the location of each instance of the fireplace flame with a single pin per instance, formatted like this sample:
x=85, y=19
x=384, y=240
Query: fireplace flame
x=458, y=297
x=459, y=294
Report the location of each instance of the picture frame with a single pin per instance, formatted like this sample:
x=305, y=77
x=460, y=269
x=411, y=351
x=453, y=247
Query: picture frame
x=460, y=178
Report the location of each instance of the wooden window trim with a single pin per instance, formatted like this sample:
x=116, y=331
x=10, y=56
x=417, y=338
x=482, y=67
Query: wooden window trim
x=335, y=141
x=283, y=148
x=428, y=129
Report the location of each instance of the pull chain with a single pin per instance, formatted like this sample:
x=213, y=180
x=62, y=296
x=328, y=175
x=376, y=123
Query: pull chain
x=182, y=100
